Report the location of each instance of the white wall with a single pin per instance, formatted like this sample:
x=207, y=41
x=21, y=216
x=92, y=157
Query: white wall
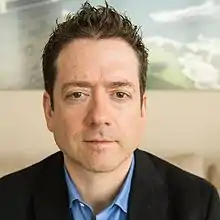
x=183, y=122
x=178, y=123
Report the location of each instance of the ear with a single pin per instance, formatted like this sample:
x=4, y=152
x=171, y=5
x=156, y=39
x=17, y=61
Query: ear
x=48, y=111
x=144, y=105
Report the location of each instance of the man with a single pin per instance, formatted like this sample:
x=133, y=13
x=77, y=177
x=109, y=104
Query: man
x=94, y=67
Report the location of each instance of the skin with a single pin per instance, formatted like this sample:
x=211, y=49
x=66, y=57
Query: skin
x=98, y=120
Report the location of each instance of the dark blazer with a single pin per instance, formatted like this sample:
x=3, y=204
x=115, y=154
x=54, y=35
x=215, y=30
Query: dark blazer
x=159, y=191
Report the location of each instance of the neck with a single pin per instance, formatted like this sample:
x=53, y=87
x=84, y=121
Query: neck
x=98, y=189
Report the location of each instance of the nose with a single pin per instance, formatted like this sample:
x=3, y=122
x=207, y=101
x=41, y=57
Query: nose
x=99, y=110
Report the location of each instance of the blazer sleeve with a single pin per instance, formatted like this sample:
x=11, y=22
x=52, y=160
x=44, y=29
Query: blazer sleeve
x=214, y=206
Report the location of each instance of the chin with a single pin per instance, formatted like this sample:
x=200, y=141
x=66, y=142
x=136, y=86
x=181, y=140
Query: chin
x=103, y=165
x=101, y=168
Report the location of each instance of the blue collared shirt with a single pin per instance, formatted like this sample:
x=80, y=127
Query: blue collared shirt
x=116, y=211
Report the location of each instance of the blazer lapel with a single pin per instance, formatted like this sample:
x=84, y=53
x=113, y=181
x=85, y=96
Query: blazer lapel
x=148, y=196
x=51, y=197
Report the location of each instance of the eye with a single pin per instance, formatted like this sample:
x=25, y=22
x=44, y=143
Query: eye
x=121, y=95
x=76, y=95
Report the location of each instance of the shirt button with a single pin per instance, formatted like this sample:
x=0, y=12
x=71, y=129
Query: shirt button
x=81, y=204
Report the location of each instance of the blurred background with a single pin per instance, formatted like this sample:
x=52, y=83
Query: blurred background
x=183, y=38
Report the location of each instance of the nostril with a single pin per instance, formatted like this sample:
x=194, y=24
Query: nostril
x=99, y=123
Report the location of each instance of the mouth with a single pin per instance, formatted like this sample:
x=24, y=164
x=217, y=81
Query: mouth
x=99, y=141
x=100, y=144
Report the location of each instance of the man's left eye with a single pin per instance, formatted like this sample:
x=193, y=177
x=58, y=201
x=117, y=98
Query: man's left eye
x=121, y=95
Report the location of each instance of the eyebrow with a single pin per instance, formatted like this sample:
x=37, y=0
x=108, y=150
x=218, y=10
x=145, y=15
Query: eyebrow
x=82, y=84
x=121, y=84
x=86, y=84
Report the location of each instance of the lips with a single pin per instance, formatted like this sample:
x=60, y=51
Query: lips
x=99, y=141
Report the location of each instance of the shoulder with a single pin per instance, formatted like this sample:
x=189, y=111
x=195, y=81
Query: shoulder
x=25, y=180
x=172, y=174
x=177, y=177
x=184, y=189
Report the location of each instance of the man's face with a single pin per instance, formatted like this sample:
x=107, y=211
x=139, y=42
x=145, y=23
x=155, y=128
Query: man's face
x=97, y=119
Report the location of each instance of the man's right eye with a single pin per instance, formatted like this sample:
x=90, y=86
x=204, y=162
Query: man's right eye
x=75, y=95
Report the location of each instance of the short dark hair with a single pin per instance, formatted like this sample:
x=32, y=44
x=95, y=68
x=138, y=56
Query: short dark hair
x=100, y=22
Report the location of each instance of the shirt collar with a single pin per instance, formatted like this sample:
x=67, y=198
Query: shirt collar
x=121, y=199
x=72, y=190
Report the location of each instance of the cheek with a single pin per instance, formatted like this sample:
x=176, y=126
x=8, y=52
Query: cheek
x=131, y=123
x=68, y=121
x=132, y=115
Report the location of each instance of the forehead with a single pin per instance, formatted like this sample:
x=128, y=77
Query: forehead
x=92, y=60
